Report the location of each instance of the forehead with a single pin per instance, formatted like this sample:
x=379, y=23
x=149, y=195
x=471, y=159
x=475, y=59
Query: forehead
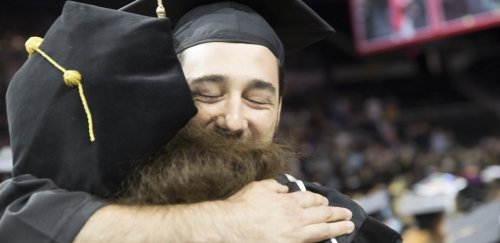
x=237, y=61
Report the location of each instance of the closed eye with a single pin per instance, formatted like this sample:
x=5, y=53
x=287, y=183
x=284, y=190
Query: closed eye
x=206, y=98
x=208, y=89
x=260, y=94
x=260, y=102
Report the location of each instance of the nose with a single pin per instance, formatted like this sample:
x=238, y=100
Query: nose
x=232, y=118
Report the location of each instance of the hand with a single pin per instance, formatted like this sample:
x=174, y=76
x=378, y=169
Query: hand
x=264, y=212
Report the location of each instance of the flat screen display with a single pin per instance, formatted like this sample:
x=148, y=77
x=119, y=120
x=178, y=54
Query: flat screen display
x=382, y=25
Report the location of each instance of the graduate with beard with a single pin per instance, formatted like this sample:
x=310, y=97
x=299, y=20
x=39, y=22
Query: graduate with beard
x=104, y=89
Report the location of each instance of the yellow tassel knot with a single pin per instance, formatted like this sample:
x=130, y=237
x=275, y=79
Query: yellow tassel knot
x=160, y=10
x=32, y=44
x=72, y=78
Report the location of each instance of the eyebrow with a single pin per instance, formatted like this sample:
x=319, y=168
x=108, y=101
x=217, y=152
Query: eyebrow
x=217, y=79
x=262, y=85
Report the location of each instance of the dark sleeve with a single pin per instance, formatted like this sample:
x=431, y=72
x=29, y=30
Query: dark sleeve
x=36, y=210
x=367, y=229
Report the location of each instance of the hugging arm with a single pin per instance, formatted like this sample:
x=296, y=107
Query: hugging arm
x=260, y=212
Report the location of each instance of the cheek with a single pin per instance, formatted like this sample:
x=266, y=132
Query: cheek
x=200, y=120
x=205, y=114
x=263, y=123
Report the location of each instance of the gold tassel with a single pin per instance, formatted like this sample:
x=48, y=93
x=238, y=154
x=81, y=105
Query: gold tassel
x=72, y=78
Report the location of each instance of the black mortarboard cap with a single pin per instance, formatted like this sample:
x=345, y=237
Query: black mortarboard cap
x=279, y=25
x=411, y=203
x=375, y=202
x=134, y=87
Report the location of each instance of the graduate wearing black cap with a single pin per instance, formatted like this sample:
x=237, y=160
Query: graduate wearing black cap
x=88, y=105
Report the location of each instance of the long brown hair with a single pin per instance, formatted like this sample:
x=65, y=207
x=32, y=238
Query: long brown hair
x=199, y=165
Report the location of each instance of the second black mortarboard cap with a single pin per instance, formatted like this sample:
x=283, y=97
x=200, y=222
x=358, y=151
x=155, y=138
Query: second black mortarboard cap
x=480, y=225
x=134, y=87
x=282, y=26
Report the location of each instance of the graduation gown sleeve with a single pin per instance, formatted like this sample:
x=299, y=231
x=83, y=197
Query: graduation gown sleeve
x=37, y=210
x=367, y=229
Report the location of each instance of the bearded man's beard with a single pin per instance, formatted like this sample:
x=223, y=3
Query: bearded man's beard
x=200, y=165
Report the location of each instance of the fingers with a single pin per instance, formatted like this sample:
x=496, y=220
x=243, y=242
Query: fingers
x=322, y=221
x=302, y=216
x=326, y=214
x=309, y=199
x=322, y=231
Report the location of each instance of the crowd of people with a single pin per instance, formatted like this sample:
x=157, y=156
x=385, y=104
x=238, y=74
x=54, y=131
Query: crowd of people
x=354, y=150
x=363, y=149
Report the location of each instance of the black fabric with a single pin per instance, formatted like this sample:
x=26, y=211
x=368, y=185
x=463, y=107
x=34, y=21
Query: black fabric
x=37, y=210
x=226, y=22
x=367, y=229
x=292, y=186
x=133, y=83
x=296, y=25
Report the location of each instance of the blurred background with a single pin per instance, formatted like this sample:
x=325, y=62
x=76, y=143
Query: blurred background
x=400, y=109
